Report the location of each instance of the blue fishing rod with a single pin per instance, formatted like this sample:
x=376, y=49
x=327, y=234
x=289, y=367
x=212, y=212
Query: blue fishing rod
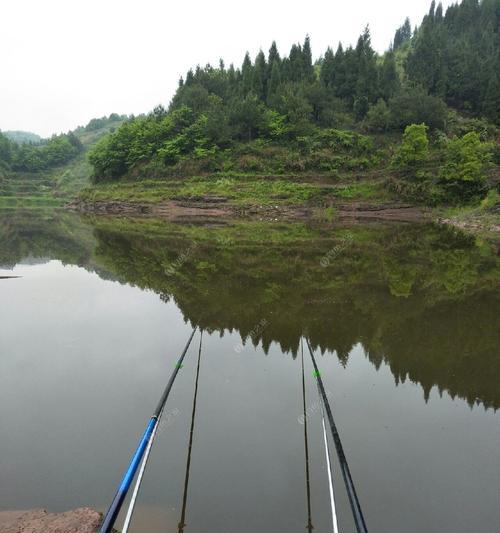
x=357, y=513
x=121, y=493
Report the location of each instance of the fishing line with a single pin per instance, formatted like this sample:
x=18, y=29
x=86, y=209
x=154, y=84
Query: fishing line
x=182, y=523
x=344, y=467
x=144, y=444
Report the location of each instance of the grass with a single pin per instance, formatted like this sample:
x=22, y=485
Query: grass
x=72, y=178
x=482, y=219
x=30, y=201
x=239, y=191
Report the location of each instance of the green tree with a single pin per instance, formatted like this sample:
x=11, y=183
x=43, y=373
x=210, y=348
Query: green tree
x=273, y=55
x=249, y=118
x=274, y=81
x=367, y=74
x=403, y=34
x=464, y=174
x=327, y=73
x=413, y=153
x=414, y=106
x=378, y=118
x=388, y=76
x=307, y=64
x=295, y=64
x=259, y=80
x=293, y=104
x=246, y=75
x=491, y=101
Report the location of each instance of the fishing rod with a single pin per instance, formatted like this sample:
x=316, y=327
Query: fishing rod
x=138, y=482
x=329, y=469
x=131, y=507
x=121, y=493
x=182, y=523
x=344, y=467
x=309, y=527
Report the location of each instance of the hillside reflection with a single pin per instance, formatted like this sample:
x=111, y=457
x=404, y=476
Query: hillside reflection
x=423, y=299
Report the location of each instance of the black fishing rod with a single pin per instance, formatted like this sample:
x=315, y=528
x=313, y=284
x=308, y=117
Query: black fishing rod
x=344, y=467
x=309, y=527
x=116, y=504
x=182, y=522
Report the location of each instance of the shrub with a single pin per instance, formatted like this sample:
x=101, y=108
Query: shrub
x=463, y=176
x=378, y=118
x=415, y=106
x=413, y=153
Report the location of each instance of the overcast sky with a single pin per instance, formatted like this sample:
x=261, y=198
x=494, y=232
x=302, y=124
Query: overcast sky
x=64, y=62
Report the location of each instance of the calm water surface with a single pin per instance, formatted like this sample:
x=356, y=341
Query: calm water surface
x=404, y=319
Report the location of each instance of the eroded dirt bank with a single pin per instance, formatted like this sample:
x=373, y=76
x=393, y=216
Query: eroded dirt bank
x=82, y=520
x=212, y=208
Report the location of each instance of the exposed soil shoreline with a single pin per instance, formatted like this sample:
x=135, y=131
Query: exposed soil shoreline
x=210, y=208
x=473, y=224
x=84, y=520
x=219, y=208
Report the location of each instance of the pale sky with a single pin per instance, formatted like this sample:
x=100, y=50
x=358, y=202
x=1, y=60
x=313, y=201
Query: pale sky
x=63, y=62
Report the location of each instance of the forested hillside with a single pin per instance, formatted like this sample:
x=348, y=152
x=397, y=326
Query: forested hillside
x=456, y=56
x=57, y=150
x=22, y=137
x=56, y=166
x=24, y=152
x=342, y=113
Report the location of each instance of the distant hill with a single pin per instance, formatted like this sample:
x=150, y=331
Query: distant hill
x=23, y=137
x=51, y=168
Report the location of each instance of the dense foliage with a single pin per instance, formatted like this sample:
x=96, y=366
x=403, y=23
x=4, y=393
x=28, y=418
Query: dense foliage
x=56, y=151
x=102, y=122
x=24, y=153
x=456, y=56
x=455, y=173
x=21, y=137
x=288, y=101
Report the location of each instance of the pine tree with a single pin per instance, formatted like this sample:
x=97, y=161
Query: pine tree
x=403, y=34
x=339, y=68
x=296, y=63
x=366, y=83
x=189, y=78
x=273, y=55
x=259, y=81
x=274, y=81
x=246, y=75
x=232, y=77
x=307, y=64
x=389, y=79
x=432, y=10
x=439, y=12
x=491, y=99
x=327, y=73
